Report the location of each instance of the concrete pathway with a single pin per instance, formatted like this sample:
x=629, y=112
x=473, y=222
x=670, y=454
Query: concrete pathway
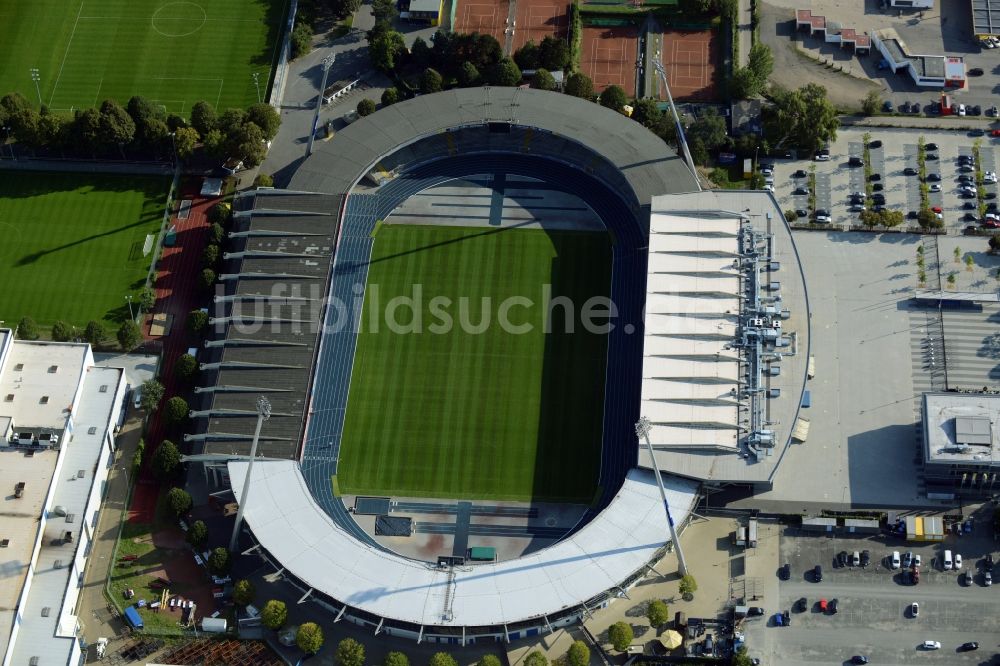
x=744, y=20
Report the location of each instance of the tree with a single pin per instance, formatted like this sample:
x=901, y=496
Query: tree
x=646, y=113
x=536, y=658
x=147, y=299
x=430, y=81
x=543, y=80
x=396, y=659
x=709, y=128
x=197, y=534
x=688, y=585
x=389, y=96
x=274, y=614
x=197, y=320
x=420, y=53
x=301, y=39
x=94, y=333
x=613, y=98
x=994, y=244
x=309, y=637
x=129, y=335
x=927, y=219
x=179, y=501
x=87, y=129
x=489, y=660
x=694, y=8
x=218, y=561
x=206, y=279
x=579, y=654
x=215, y=144
x=185, y=367
x=442, y=659
x=231, y=120
x=804, y=118
x=742, y=658
x=366, y=107
x=116, y=126
x=176, y=410
x=951, y=279
x=957, y=253
x=528, y=56
x=166, y=461
x=209, y=256
x=266, y=118
x=553, y=54
x=384, y=49
x=969, y=262
x=216, y=232
x=62, y=332
x=579, y=85
x=262, y=180
x=350, y=653
x=871, y=104
x=468, y=75
x=505, y=73
x=384, y=10
x=658, y=613
x=244, y=592
x=247, y=144
x=152, y=393
x=760, y=64
x=220, y=213
x=176, y=122
x=27, y=329
x=186, y=141
x=620, y=634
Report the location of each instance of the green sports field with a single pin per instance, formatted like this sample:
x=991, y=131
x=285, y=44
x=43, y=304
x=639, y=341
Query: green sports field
x=175, y=52
x=71, y=245
x=477, y=415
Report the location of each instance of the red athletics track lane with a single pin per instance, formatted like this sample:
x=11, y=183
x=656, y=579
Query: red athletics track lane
x=535, y=20
x=691, y=59
x=609, y=57
x=487, y=17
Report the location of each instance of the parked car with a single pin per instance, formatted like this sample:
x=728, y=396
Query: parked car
x=755, y=611
x=930, y=146
x=822, y=156
x=965, y=178
x=975, y=71
x=874, y=177
x=910, y=171
x=879, y=199
x=989, y=177
x=802, y=604
x=968, y=647
x=988, y=562
x=855, y=161
x=855, y=559
x=877, y=187
x=823, y=215
x=995, y=132
x=987, y=578
x=958, y=562
x=857, y=208
x=779, y=620
x=785, y=572
x=907, y=559
x=894, y=559
x=866, y=558
x=842, y=558
x=930, y=157
x=876, y=143
x=961, y=110
x=822, y=606
x=977, y=132
x=914, y=609
x=818, y=574
x=799, y=191
x=931, y=645
x=832, y=606
x=801, y=212
x=935, y=187
x=859, y=659
x=932, y=177
x=801, y=173
x=966, y=168
x=887, y=106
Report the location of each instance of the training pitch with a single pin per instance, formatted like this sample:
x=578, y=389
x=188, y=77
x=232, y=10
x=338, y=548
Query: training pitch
x=72, y=245
x=175, y=53
x=495, y=414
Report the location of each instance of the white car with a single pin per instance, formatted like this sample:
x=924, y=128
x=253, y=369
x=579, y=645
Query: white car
x=916, y=560
x=931, y=645
x=767, y=170
x=823, y=216
x=914, y=609
x=958, y=562
x=961, y=109
x=934, y=187
x=989, y=177
x=859, y=194
x=895, y=559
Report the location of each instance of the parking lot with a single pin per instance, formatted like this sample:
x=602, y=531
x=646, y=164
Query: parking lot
x=873, y=616
x=836, y=180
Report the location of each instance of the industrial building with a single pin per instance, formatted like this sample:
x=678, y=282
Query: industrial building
x=961, y=444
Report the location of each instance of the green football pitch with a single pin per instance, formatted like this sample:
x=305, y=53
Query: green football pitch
x=469, y=411
x=72, y=245
x=174, y=53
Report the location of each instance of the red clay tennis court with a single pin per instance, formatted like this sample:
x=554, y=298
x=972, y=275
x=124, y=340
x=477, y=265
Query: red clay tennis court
x=609, y=57
x=482, y=16
x=537, y=19
x=690, y=59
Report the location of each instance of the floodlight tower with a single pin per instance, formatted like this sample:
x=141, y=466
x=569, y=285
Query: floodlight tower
x=642, y=430
x=36, y=77
x=681, y=141
x=263, y=414
x=327, y=63
x=256, y=82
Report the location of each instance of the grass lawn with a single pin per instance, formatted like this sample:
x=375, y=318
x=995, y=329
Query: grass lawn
x=175, y=52
x=491, y=415
x=72, y=244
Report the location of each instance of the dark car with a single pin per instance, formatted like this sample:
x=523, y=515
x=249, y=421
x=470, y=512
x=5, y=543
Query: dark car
x=788, y=618
x=965, y=178
x=785, y=572
x=859, y=659
x=802, y=604
x=970, y=217
x=910, y=171
x=930, y=156
x=931, y=146
x=876, y=143
x=911, y=215
x=988, y=562
x=968, y=647
x=755, y=611
x=832, y=606
x=990, y=195
x=932, y=177
x=977, y=132
x=856, y=161
x=818, y=574
x=801, y=212
x=878, y=198
x=801, y=173
x=866, y=557
x=977, y=110
x=968, y=205
x=800, y=190
x=904, y=107
x=991, y=205
x=874, y=177
x=887, y=106
x=971, y=230
x=915, y=108
x=975, y=71
x=967, y=195
x=842, y=558
x=877, y=187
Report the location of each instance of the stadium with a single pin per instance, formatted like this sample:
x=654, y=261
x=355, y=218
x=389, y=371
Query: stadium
x=515, y=421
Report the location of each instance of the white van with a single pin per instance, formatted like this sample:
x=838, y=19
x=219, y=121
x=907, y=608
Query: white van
x=947, y=562
x=895, y=559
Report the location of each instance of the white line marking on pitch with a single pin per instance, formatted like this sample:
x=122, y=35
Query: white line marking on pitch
x=66, y=54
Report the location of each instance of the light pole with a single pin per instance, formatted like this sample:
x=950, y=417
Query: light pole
x=681, y=141
x=263, y=414
x=173, y=143
x=256, y=82
x=36, y=77
x=327, y=62
x=9, y=144
x=128, y=299
x=642, y=430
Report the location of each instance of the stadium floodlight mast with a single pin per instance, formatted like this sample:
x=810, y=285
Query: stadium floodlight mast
x=256, y=82
x=263, y=414
x=128, y=299
x=642, y=430
x=681, y=141
x=36, y=77
x=326, y=63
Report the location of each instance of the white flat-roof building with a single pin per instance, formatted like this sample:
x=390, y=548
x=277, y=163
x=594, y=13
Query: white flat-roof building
x=962, y=442
x=62, y=410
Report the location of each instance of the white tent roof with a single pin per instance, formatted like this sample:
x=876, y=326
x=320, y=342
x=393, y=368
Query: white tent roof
x=289, y=524
x=689, y=377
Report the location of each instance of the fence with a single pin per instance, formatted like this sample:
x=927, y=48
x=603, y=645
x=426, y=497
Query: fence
x=281, y=67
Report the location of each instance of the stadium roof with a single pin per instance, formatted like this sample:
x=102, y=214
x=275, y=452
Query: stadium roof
x=289, y=524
